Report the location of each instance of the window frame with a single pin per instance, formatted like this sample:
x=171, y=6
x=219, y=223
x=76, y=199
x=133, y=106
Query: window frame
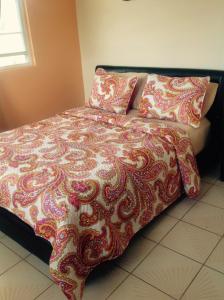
x=22, y=10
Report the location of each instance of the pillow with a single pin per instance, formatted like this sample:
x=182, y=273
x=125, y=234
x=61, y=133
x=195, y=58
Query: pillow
x=112, y=91
x=178, y=99
x=142, y=78
x=209, y=97
x=137, y=93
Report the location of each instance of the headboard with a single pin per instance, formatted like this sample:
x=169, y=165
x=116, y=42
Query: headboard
x=215, y=149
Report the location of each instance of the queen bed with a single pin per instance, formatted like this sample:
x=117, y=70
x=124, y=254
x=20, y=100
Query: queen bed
x=84, y=182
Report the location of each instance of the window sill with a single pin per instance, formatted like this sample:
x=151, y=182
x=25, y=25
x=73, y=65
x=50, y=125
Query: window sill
x=17, y=67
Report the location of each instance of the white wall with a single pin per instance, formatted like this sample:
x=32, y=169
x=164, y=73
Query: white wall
x=172, y=33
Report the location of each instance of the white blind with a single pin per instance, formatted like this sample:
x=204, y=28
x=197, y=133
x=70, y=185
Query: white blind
x=13, y=47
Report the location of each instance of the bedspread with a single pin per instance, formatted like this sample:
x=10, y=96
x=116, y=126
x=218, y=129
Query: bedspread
x=87, y=181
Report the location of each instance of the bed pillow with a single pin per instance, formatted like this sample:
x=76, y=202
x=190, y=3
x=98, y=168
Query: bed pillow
x=209, y=97
x=136, y=97
x=178, y=99
x=111, y=91
x=137, y=93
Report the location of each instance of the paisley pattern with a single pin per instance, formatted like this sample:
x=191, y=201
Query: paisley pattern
x=178, y=99
x=87, y=180
x=111, y=91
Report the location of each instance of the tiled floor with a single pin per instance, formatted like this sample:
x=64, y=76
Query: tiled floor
x=180, y=255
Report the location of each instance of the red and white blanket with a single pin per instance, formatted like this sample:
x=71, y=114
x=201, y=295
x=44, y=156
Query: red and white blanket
x=87, y=181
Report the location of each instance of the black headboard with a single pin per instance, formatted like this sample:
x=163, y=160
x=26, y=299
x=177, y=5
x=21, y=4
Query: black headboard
x=215, y=114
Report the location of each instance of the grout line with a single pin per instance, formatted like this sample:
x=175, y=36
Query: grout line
x=155, y=244
x=11, y=267
x=187, y=210
x=197, y=200
x=1, y=242
x=197, y=226
x=44, y=291
x=158, y=243
x=161, y=245
x=129, y=274
x=213, y=269
x=203, y=265
x=213, y=205
x=141, y=261
x=134, y=275
x=49, y=278
x=219, y=235
x=212, y=251
x=188, y=286
x=24, y=259
x=184, y=255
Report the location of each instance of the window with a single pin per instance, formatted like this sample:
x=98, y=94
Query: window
x=13, y=36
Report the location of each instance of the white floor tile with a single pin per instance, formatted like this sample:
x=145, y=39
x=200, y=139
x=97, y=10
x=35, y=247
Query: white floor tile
x=191, y=241
x=22, y=282
x=216, y=260
x=136, y=251
x=53, y=293
x=205, y=187
x=206, y=216
x=215, y=196
x=39, y=264
x=162, y=269
x=7, y=258
x=208, y=285
x=7, y=241
x=168, y=271
x=178, y=209
x=103, y=281
x=134, y=289
x=159, y=227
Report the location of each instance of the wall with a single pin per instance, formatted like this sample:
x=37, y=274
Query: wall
x=174, y=33
x=55, y=82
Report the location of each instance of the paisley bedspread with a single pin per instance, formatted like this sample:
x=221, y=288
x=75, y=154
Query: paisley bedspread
x=87, y=181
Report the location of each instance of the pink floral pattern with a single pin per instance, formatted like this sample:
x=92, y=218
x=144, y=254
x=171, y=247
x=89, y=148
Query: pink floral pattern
x=87, y=180
x=112, y=92
x=178, y=99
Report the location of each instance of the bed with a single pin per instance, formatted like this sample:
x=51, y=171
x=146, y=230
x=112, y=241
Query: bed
x=93, y=130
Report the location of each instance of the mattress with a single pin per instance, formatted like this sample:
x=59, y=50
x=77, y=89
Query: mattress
x=198, y=136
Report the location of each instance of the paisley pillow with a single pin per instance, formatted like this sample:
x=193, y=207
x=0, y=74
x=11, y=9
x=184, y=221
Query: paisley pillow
x=111, y=91
x=178, y=99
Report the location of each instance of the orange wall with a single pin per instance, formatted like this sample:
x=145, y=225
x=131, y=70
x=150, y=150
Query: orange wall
x=55, y=83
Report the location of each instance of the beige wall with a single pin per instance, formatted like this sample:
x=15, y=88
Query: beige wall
x=55, y=82
x=174, y=33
